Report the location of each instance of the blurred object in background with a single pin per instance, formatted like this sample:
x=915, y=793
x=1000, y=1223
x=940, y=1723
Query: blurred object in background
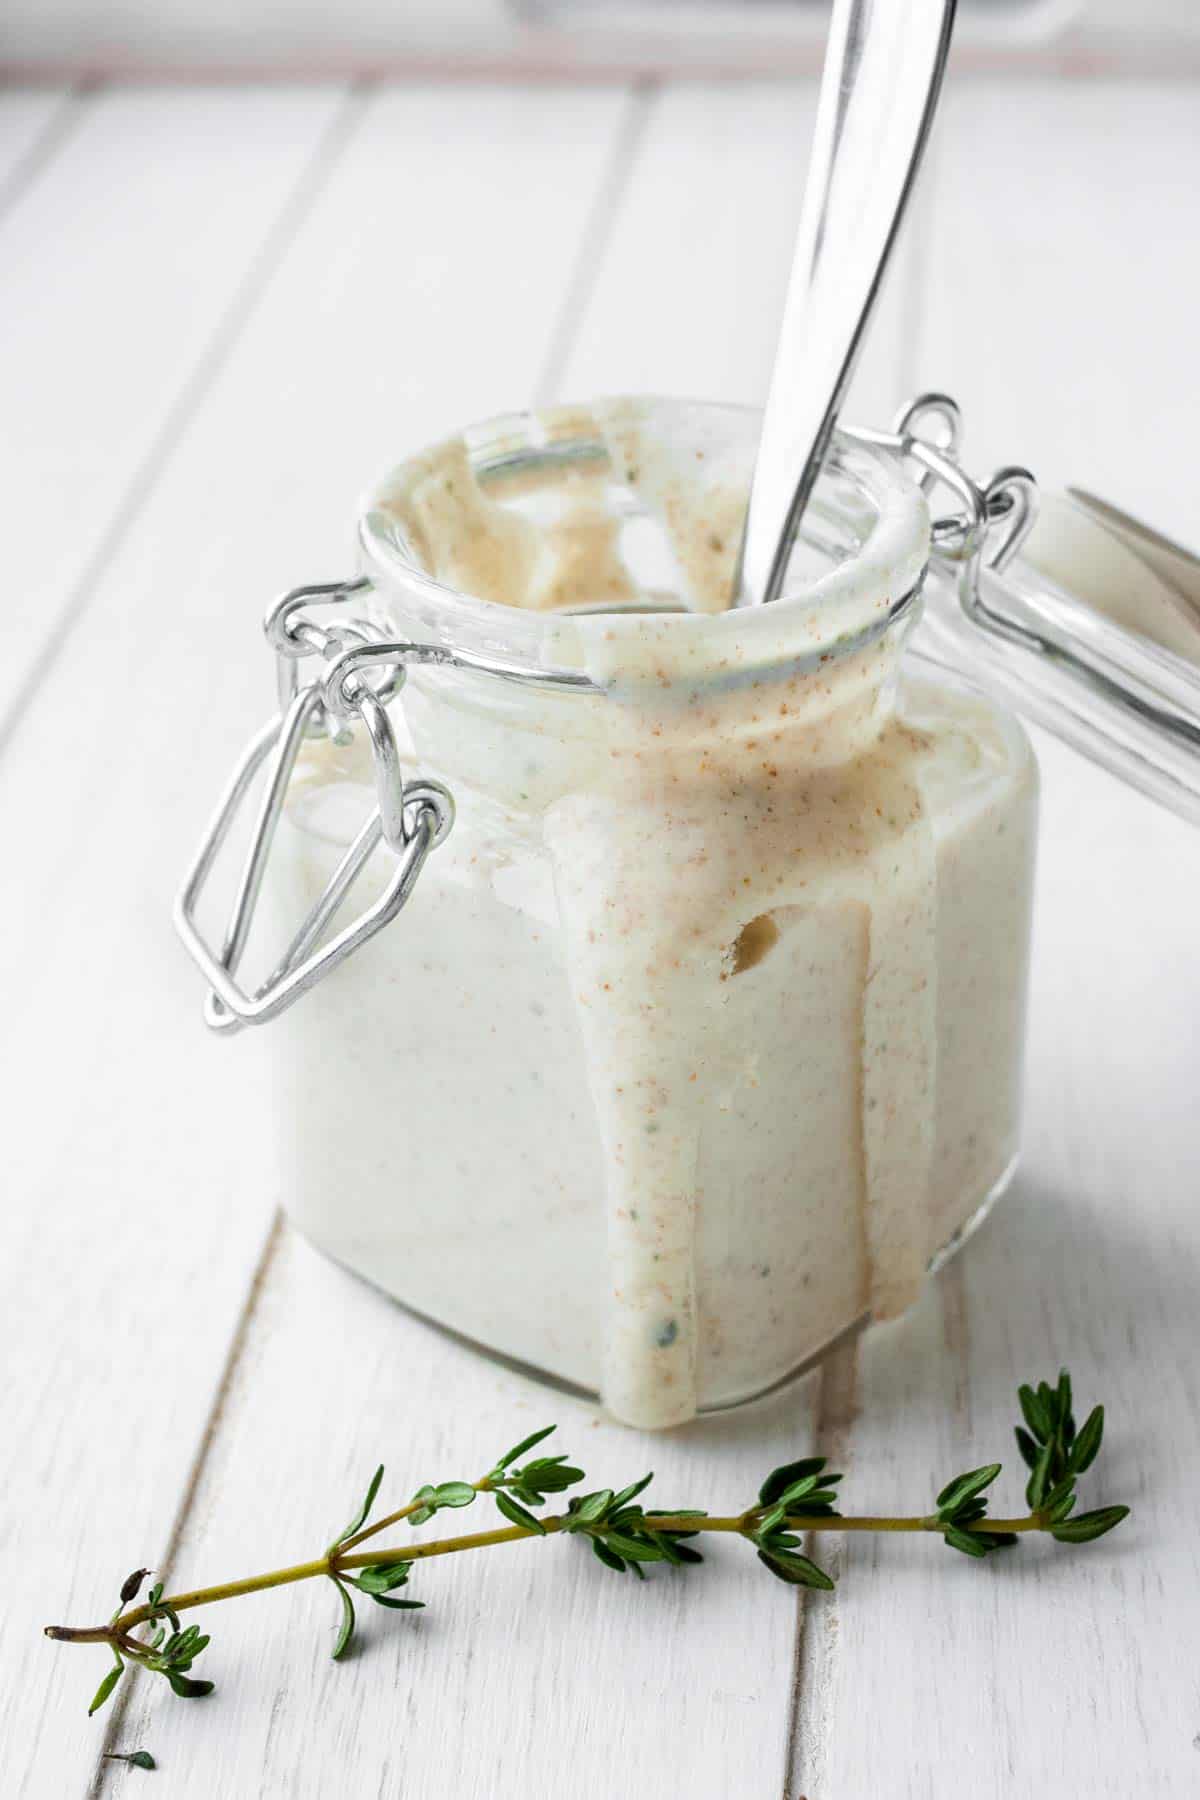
x=554, y=37
x=1002, y=23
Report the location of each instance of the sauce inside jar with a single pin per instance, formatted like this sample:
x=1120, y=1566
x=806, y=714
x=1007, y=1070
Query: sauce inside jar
x=701, y=1036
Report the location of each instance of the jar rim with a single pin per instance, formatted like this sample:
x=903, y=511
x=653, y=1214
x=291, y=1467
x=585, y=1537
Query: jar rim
x=827, y=615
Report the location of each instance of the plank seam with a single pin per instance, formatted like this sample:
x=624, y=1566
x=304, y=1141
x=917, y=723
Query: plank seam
x=917, y=266
x=146, y=477
x=837, y=1406
x=956, y=1335
x=38, y=155
x=597, y=236
x=191, y=1486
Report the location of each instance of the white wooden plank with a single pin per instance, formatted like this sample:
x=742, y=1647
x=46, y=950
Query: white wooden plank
x=1062, y=310
x=689, y=297
x=119, y=1285
x=140, y=1149
x=1056, y=1671
x=121, y=264
x=690, y=1684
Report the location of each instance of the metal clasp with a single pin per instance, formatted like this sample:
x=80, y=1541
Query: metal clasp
x=996, y=518
x=412, y=818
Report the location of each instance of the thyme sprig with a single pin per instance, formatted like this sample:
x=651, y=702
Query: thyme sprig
x=797, y=1499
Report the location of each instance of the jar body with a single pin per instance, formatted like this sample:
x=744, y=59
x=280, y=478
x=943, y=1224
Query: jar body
x=700, y=1037
x=442, y=1137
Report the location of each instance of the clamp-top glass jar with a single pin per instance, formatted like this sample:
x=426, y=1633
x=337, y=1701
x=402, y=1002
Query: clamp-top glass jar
x=701, y=1038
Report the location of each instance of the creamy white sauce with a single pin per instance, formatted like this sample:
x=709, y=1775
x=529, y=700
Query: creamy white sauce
x=701, y=1035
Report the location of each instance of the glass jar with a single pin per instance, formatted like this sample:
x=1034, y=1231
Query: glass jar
x=700, y=1041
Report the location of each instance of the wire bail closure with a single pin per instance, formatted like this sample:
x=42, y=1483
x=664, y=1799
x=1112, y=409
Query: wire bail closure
x=411, y=818
x=362, y=671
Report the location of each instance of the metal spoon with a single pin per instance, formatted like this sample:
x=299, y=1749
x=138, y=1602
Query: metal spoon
x=879, y=92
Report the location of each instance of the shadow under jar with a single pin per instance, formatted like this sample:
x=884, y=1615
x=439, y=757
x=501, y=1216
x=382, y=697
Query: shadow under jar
x=701, y=1036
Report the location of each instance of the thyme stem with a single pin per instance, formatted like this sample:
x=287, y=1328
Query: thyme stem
x=394, y=1518
x=482, y=1486
x=742, y=1524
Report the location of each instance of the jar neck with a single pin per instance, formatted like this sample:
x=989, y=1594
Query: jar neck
x=526, y=747
x=597, y=544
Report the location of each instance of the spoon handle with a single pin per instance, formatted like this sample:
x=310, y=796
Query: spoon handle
x=883, y=73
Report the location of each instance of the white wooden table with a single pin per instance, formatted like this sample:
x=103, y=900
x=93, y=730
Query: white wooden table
x=223, y=310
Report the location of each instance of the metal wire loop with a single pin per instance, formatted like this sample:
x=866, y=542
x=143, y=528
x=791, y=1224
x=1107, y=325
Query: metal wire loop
x=1011, y=494
x=295, y=637
x=429, y=799
x=343, y=678
x=297, y=640
x=914, y=420
x=389, y=773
